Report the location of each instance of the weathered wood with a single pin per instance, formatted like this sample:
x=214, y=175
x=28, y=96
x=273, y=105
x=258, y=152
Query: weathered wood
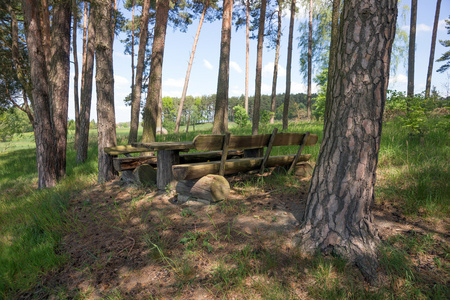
x=299, y=152
x=130, y=163
x=232, y=166
x=180, y=146
x=269, y=149
x=124, y=149
x=215, y=142
x=145, y=175
x=210, y=187
x=187, y=158
x=226, y=140
x=165, y=160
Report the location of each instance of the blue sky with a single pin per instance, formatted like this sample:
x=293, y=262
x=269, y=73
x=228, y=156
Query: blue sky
x=203, y=79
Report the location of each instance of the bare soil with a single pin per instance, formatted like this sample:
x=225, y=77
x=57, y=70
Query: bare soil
x=111, y=248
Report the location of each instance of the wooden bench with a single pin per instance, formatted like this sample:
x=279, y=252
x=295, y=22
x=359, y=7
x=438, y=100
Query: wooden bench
x=227, y=143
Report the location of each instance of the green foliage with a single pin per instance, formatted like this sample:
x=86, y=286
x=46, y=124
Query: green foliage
x=319, y=105
x=446, y=56
x=240, y=116
x=13, y=121
x=92, y=124
x=264, y=118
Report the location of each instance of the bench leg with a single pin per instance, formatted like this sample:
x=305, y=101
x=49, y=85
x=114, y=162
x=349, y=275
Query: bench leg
x=165, y=160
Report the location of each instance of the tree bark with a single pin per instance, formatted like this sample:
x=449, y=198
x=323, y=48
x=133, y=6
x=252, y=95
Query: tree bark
x=247, y=53
x=275, y=67
x=220, y=124
x=86, y=88
x=188, y=72
x=45, y=146
x=136, y=100
x=75, y=77
x=46, y=35
x=132, y=61
x=59, y=79
x=333, y=52
x=412, y=49
x=154, y=87
x=338, y=215
x=259, y=53
x=287, y=94
x=104, y=77
x=308, y=102
x=432, y=50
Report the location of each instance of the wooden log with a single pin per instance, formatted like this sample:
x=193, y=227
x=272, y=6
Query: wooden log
x=269, y=149
x=223, y=159
x=299, y=152
x=303, y=170
x=130, y=163
x=188, y=158
x=232, y=166
x=145, y=175
x=165, y=160
x=210, y=187
x=124, y=149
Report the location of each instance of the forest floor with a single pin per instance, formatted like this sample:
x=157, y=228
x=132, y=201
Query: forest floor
x=131, y=242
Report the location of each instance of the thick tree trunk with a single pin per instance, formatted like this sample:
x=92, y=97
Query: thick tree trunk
x=75, y=77
x=86, y=89
x=136, y=100
x=46, y=35
x=104, y=77
x=333, y=52
x=412, y=49
x=275, y=67
x=247, y=53
x=338, y=215
x=59, y=79
x=154, y=87
x=188, y=72
x=259, y=53
x=220, y=124
x=287, y=94
x=45, y=146
x=433, y=47
x=308, y=102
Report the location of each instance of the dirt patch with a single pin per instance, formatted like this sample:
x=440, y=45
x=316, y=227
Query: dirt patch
x=135, y=243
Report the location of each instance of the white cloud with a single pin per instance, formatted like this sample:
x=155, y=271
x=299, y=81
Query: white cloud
x=266, y=89
x=268, y=68
x=441, y=25
x=178, y=83
x=207, y=64
x=423, y=28
x=400, y=78
x=235, y=66
x=298, y=87
x=121, y=82
x=172, y=93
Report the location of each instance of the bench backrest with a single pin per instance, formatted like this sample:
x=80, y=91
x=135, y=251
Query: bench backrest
x=212, y=142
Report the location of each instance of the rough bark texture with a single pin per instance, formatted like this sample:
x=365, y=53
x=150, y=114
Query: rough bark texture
x=154, y=86
x=275, y=67
x=259, y=53
x=75, y=77
x=308, y=102
x=45, y=146
x=287, y=94
x=220, y=124
x=136, y=101
x=338, y=216
x=247, y=52
x=104, y=77
x=132, y=66
x=59, y=79
x=412, y=48
x=86, y=89
x=333, y=51
x=433, y=47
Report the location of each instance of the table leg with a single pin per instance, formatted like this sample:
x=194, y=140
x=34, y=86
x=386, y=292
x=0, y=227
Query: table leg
x=165, y=160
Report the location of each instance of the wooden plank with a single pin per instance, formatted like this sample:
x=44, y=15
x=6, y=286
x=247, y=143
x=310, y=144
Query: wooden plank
x=180, y=146
x=294, y=139
x=269, y=149
x=299, y=152
x=187, y=158
x=232, y=166
x=226, y=140
x=130, y=163
x=124, y=149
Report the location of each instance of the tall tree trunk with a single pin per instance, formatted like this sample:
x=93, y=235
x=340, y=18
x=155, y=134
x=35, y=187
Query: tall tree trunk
x=433, y=47
x=86, y=88
x=75, y=77
x=333, y=52
x=154, y=87
x=259, y=53
x=220, y=124
x=308, y=102
x=46, y=34
x=287, y=94
x=132, y=54
x=104, y=78
x=136, y=101
x=338, y=217
x=247, y=54
x=275, y=67
x=188, y=72
x=45, y=146
x=412, y=49
x=59, y=79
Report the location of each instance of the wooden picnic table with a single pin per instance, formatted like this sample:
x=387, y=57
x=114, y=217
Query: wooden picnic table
x=168, y=154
